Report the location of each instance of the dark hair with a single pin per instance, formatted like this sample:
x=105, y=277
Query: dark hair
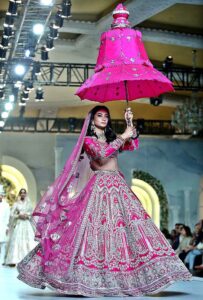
x=22, y=190
x=187, y=230
x=109, y=133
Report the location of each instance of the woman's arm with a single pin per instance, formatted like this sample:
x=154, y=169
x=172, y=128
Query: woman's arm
x=95, y=149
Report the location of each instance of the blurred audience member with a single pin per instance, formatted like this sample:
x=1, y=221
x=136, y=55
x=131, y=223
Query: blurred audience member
x=4, y=221
x=184, y=242
x=21, y=236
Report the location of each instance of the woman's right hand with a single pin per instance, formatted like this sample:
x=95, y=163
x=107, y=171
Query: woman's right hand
x=128, y=133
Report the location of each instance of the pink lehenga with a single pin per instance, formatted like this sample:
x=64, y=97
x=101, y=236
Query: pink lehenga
x=95, y=238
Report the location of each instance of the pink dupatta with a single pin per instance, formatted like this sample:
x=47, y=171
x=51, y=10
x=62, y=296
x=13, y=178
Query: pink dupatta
x=64, y=192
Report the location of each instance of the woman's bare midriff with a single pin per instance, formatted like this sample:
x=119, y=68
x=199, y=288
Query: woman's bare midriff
x=105, y=164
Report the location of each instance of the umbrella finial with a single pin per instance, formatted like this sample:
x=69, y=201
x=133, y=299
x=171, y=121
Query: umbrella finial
x=120, y=15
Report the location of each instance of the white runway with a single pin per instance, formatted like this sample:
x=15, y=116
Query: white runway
x=13, y=289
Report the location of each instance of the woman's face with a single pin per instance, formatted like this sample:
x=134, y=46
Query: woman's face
x=101, y=119
x=183, y=232
x=22, y=194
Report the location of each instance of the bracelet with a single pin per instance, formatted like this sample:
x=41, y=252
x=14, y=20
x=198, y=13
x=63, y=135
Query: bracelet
x=123, y=140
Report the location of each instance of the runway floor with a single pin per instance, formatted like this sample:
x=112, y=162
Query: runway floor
x=13, y=289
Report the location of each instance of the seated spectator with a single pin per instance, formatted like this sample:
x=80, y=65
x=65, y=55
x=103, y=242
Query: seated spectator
x=195, y=251
x=184, y=242
x=178, y=227
x=197, y=234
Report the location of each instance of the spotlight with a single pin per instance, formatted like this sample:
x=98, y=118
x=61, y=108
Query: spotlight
x=18, y=84
x=49, y=44
x=8, y=32
x=11, y=98
x=2, y=123
x=39, y=94
x=4, y=42
x=53, y=34
x=2, y=54
x=156, y=101
x=58, y=19
x=46, y=2
x=19, y=70
x=4, y=115
x=168, y=62
x=38, y=29
x=66, y=9
x=12, y=9
x=9, y=20
x=8, y=106
x=44, y=54
x=27, y=53
x=1, y=93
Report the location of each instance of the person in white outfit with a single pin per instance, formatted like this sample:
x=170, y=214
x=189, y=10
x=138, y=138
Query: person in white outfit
x=21, y=233
x=4, y=222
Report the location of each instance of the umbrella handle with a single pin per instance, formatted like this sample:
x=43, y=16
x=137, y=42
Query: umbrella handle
x=128, y=120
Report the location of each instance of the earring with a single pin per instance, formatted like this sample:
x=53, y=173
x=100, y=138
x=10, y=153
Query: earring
x=92, y=126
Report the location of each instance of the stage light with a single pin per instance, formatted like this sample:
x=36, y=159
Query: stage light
x=46, y=2
x=19, y=70
x=18, y=84
x=2, y=54
x=27, y=53
x=49, y=44
x=2, y=123
x=4, y=42
x=11, y=98
x=58, y=19
x=8, y=32
x=44, y=53
x=39, y=94
x=53, y=33
x=29, y=85
x=12, y=8
x=4, y=115
x=9, y=20
x=25, y=95
x=156, y=101
x=38, y=29
x=168, y=62
x=66, y=9
x=8, y=106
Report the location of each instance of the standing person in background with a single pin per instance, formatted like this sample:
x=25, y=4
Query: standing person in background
x=21, y=236
x=4, y=221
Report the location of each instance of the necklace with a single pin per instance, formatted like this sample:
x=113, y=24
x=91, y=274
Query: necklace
x=101, y=136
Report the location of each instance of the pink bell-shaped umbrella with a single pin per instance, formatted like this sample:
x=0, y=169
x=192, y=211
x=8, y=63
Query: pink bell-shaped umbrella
x=123, y=70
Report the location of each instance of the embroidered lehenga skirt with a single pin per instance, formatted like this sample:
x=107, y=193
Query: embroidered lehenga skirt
x=111, y=247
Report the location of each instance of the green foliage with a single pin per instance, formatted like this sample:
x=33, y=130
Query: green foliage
x=158, y=187
x=9, y=188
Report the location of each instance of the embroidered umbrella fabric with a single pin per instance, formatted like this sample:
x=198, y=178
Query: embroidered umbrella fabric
x=123, y=70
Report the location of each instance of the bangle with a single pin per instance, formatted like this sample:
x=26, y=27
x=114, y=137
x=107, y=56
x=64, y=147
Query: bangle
x=122, y=139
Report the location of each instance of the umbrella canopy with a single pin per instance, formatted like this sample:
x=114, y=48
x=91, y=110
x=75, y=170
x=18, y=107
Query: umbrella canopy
x=123, y=70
